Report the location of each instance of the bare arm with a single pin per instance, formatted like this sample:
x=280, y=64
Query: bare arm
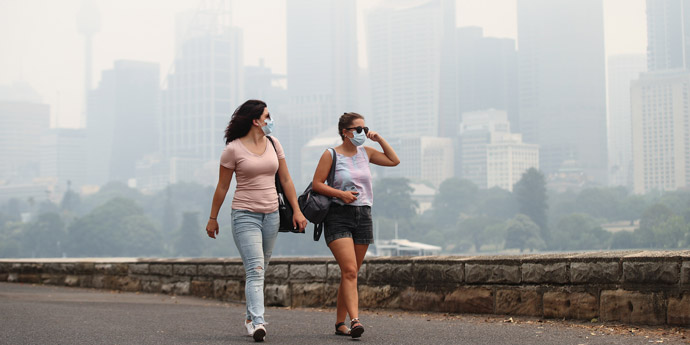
x=298, y=220
x=387, y=158
x=224, y=179
x=320, y=176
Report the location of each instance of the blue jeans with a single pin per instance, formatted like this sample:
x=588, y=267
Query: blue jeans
x=255, y=234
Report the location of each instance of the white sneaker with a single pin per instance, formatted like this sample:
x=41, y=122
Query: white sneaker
x=250, y=327
x=259, y=333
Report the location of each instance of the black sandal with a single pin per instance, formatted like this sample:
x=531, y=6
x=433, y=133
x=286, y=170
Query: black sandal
x=338, y=331
x=356, y=328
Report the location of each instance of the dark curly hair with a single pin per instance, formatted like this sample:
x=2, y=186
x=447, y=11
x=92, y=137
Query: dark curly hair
x=346, y=120
x=241, y=120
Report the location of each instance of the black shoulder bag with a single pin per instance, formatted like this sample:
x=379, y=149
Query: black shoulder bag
x=284, y=208
x=315, y=206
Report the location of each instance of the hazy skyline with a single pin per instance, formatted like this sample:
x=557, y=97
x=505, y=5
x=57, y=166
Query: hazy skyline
x=42, y=47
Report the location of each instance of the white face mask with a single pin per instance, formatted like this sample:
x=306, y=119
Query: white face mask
x=268, y=129
x=358, y=138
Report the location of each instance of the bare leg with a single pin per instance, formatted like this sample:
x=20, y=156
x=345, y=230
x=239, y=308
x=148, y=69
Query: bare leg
x=343, y=250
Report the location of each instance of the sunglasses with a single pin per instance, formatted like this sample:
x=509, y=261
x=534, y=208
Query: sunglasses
x=359, y=129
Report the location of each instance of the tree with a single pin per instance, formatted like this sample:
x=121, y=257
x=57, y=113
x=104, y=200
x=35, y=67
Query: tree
x=474, y=229
x=116, y=228
x=189, y=236
x=44, y=237
x=579, y=232
x=394, y=199
x=650, y=223
x=455, y=196
x=497, y=203
x=624, y=240
x=530, y=193
x=522, y=233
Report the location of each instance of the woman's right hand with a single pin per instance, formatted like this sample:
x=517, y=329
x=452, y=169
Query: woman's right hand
x=348, y=197
x=212, y=228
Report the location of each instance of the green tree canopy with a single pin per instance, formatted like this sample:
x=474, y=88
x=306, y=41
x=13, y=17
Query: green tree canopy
x=530, y=193
x=522, y=233
x=455, y=196
x=394, y=199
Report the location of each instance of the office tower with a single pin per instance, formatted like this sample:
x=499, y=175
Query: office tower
x=622, y=69
x=660, y=122
x=88, y=23
x=489, y=154
x=487, y=75
x=62, y=156
x=562, y=94
x=22, y=123
x=205, y=86
x=122, y=120
x=668, y=34
x=412, y=83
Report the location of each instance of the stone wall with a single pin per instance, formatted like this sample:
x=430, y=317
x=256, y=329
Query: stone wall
x=636, y=287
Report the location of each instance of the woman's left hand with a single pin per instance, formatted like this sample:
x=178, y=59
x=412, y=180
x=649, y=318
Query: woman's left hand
x=374, y=136
x=298, y=221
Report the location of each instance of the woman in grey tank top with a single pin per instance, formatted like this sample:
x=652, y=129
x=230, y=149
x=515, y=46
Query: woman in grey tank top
x=348, y=228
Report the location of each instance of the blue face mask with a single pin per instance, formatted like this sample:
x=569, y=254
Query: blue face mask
x=268, y=129
x=358, y=138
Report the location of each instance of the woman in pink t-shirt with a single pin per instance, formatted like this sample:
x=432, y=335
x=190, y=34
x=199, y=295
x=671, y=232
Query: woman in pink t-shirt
x=250, y=155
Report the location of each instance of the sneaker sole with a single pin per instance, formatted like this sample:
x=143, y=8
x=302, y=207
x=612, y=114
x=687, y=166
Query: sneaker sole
x=259, y=335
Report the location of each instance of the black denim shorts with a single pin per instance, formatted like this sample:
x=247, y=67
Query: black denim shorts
x=349, y=221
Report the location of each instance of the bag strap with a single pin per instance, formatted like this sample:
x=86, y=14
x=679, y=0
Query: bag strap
x=279, y=186
x=331, y=174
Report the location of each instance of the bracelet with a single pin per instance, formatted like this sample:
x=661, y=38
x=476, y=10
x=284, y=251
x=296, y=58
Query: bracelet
x=212, y=218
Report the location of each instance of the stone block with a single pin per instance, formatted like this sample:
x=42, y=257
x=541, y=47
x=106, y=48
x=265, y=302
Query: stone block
x=228, y=290
x=84, y=267
x=52, y=279
x=679, y=310
x=310, y=295
x=4, y=268
x=309, y=273
x=492, y=274
x=334, y=272
x=276, y=273
x=138, y=268
x=201, y=288
x=27, y=268
x=4, y=277
x=651, y=272
x=184, y=270
x=58, y=268
x=594, y=272
x=412, y=299
x=236, y=270
x=13, y=277
x=632, y=307
x=469, y=300
x=390, y=273
x=175, y=286
x=277, y=295
x=150, y=284
x=518, y=302
x=160, y=269
x=112, y=269
x=384, y=296
x=434, y=274
x=72, y=280
x=212, y=270
x=32, y=278
x=570, y=305
x=556, y=273
x=98, y=281
x=685, y=274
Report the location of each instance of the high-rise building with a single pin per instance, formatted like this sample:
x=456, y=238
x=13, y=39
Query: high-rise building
x=489, y=154
x=487, y=75
x=422, y=159
x=204, y=88
x=322, y=71
x=411, y=67
x=122, y=120
x=62, y=156
x=622, y=69
x=21, y=126
x=562, y=94
x=660, y=123
x=668, y=34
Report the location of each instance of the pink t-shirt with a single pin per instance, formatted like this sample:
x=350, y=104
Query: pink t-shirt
x=256, y=189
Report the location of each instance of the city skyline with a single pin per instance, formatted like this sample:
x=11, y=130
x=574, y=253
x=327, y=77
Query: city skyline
x=58, y=76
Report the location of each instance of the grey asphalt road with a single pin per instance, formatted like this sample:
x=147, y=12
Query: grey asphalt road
x=31, y=314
